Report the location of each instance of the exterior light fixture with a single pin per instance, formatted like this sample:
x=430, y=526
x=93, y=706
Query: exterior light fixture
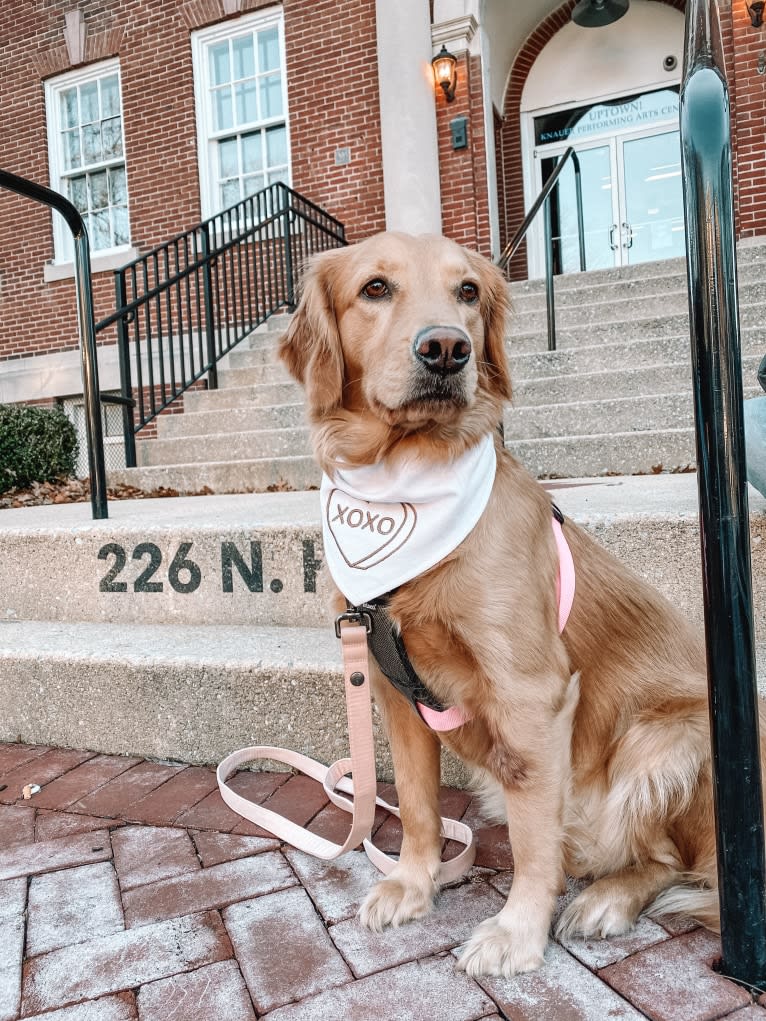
x=755, y=10
x=445, y=71
x=597, y=13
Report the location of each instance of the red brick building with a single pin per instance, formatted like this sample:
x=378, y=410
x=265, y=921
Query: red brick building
x=153, y=116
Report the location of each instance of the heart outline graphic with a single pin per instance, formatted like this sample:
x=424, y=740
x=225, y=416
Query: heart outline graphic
x=382, y=552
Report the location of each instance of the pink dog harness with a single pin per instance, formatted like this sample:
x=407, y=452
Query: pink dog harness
x=456, y=716
x=353, y=631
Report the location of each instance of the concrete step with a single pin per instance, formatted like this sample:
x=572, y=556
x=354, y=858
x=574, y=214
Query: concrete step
x=255, y=559
x=615, y=453
x=643, y=413
x=608, y=384
x=674, y=282
x=253, y=475
x=244, y=559
x=248, y=395
x=194, y=691
x=624, y=308
x=748, y=254
x=251, y=418
x=235, y=446
x=595, y=357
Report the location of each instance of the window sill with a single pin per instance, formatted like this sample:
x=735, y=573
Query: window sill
x=98, y=264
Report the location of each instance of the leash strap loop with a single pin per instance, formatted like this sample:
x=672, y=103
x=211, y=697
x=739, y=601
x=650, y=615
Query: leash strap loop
x=361, y=765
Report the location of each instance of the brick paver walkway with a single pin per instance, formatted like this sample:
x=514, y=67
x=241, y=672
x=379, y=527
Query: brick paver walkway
x=128, y=890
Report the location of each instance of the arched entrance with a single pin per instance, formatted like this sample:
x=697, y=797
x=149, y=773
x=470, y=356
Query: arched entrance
x=612, y=94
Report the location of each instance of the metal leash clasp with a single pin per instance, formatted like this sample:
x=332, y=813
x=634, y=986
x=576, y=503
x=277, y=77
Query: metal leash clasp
x=354, y=616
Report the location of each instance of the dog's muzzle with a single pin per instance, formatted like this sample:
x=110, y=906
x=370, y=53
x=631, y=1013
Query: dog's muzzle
x=444, y=350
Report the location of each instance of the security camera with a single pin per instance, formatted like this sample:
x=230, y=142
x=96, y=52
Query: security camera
x=670, y=63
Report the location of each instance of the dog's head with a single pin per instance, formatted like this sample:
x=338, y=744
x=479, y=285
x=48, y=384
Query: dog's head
x=404, y=332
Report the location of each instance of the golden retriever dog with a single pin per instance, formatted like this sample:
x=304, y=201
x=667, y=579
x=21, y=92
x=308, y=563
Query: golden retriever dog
x=595, y=739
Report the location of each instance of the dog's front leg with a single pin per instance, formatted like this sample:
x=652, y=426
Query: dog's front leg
x=534, y=774
x=409, y=889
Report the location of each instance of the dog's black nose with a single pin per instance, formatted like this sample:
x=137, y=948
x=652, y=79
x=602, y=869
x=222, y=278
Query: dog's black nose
x=443, y=349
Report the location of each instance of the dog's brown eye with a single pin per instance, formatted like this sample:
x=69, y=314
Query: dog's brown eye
x=468, y=292
x=375, y=289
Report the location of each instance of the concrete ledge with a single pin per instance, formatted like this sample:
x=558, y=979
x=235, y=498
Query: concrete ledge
x=188, y=694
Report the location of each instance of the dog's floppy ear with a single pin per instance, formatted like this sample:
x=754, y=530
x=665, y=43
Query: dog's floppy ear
x=495, y=306
x=311, y=347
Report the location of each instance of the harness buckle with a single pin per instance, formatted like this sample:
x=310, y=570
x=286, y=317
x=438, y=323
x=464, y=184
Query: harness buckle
x=354, y=617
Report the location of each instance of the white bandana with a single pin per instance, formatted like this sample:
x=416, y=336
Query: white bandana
x=383, y=527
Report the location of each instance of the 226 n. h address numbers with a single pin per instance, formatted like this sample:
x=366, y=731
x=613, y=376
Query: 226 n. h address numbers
x=238, y=569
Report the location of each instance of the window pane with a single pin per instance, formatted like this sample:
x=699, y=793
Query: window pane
x=271, y=96
x=276, y=146
x=110, y=96
x=111, y=137
x=227, y=158
x=112, y=418
x=121, y=227
x=252, y=157
x=220, y=71
x=222, y=114
x=78, y=195
x=244, y=57
x=100, y=234
x=91, y=143
x=268, y=50
x=229, y=194
x=247, y=105
x=72, y=155
x=99, y=193
x=89, y=102
x=118, y=195
x=253, y=184
x=278, y=175
x=69, y=108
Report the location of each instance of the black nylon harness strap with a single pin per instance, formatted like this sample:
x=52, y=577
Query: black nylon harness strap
x=387, y=647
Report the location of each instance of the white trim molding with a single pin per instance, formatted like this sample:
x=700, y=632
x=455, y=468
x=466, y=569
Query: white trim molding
x=457, y=34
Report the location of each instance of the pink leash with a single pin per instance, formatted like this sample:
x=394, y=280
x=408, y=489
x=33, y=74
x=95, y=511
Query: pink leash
x=361, y=763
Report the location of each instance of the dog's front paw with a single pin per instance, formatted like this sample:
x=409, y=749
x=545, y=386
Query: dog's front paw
x=498, y=947
x=397, y=899
x=603, y=909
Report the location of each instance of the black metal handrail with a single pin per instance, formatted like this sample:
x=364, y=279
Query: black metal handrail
x=88, y=358
x=184, y=305
x=544, y=199
x=724, y=519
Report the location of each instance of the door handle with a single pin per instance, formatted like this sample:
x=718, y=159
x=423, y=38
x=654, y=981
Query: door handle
x=612, y=245
x=627, y=227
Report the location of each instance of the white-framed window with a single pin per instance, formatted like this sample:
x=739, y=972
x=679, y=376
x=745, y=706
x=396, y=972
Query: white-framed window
x=87, y=155
x=111, y=423
x=241, y=98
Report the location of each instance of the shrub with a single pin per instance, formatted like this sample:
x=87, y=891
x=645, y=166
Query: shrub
x=36, y=445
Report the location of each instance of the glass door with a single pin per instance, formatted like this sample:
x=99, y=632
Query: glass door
x=600, y=212
x=651, y=200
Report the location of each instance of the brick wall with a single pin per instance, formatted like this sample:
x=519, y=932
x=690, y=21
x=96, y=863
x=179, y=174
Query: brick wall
x=463, y=172
x=333, y=103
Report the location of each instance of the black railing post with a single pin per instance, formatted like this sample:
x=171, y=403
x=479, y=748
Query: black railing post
x=85, y=326
x=724, y=519
x=549, y=293
x=580, y=218
x=126, y=380
x=287, y=241
x=207, y=290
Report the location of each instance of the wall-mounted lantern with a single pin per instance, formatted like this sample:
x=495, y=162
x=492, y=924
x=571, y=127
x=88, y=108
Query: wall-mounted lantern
x=755, y=10
x=445, y=71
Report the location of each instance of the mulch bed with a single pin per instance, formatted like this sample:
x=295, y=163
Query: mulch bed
x=78, y=491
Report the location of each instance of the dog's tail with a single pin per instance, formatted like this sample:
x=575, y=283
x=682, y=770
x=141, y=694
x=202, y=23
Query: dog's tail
x=697, y=902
